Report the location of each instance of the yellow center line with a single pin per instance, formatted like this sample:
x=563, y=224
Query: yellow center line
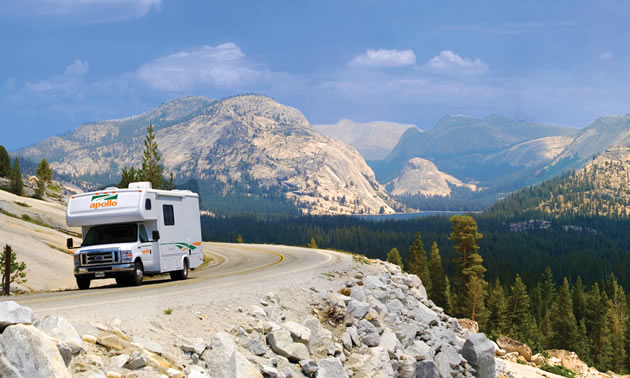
x=280, y=259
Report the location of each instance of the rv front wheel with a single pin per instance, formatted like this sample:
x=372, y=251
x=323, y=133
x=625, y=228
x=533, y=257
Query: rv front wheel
x=138, y=274
x=181, y=274
x=83, y=283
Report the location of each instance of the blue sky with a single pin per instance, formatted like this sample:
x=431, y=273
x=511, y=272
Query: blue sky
x=67, y=62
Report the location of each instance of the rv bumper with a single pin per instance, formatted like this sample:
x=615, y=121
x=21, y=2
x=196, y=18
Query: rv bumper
x=109, y=271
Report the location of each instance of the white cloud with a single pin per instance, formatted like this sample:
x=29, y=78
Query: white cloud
x=87, y=10
x=68, y=80
x=384, y=58
x=449, y=63
x=606, y=55
x=223, y=66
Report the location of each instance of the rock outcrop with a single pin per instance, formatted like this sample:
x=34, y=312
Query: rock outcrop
x=420, y=176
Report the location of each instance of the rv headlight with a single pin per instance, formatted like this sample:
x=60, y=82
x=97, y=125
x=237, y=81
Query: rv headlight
x=126, y=256
x=77, y=260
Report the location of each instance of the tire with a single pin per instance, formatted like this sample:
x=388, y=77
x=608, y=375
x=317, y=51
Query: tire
x=137, y=275
x=83, y=283
x=180, y=274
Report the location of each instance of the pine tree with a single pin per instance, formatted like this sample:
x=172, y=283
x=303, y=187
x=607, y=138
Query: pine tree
x=497, y=308
x=522, y=325
x=311, y=244
x=44, y=175
x=474, y=300
x=128, y=175
x=594, y=319
x=393, y=256
x=17, y=186
x=439, y=282
x=417, y=262
x=548, y=289
x=151, y=167
x=468, y=263
x=579, y=300
x=5, y=162
x=170, y=185
x=18, y=268
x=563, y=323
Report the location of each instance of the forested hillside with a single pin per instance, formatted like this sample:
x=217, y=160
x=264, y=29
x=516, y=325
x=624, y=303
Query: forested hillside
x=601, y=188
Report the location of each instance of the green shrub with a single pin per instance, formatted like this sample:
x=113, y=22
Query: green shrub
x=559, y=370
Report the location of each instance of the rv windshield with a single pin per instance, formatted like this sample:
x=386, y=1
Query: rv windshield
x=111, y=233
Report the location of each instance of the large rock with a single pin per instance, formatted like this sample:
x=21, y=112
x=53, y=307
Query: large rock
x=62, y=330
x=478, y=350
x=377, y=364
x=427, y=369
x=282, y=343
x=569, y=360
x=374, y=282
x=511, y=345
x=193, y=345
x=331, y=368
x=425, y=315
x=320, y=342
x=225, y=361
x=12, y=313
x=32, y=352
x=299, y=332
x=358, y=309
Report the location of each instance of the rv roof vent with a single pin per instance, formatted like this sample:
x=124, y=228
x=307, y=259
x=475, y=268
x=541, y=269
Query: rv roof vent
x=111, y=188
x=140, y=185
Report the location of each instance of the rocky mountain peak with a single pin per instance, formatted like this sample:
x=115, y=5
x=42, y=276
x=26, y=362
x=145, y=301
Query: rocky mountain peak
x=421, y=176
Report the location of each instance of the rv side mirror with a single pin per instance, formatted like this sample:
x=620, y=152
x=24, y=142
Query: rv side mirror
x=69, y=243
x=156, y=235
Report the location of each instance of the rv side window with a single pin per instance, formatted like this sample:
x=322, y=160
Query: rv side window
x=147, y=204
x=169, y=217
x=143, y=234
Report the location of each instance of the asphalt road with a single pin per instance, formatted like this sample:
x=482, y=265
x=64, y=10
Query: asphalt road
x=235, y=264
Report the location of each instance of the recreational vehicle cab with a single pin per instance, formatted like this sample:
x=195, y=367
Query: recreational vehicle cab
x=130, y=233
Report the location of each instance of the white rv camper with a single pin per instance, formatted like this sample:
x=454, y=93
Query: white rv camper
x=130, y=233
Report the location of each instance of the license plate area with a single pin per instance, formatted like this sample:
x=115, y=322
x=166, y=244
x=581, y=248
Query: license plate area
x=99, y=274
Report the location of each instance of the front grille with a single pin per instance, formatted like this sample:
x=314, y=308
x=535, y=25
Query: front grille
x=100, y=258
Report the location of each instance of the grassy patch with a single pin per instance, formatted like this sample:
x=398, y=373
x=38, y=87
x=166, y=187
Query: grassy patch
x=361, y=259
x=23, y=204
x=36, y=221
x=559, y=370
x=168, y=311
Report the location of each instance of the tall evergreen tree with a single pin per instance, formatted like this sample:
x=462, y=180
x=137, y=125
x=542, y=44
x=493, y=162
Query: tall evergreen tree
x=17, y=186
x=5, y=162
x=151, y=167
x=498, y=311
x=416, y=262
x=439, y=282
x=393, y=256
x=468, y=263
x=522, y=325
x=579, y=300
x=44, y=175
x=548, y=289
x=594, y=319
x=565, y=327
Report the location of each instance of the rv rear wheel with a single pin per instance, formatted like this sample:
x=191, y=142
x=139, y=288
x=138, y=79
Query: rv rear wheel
x=137, y=274
x=83, y=283
x=181, y=274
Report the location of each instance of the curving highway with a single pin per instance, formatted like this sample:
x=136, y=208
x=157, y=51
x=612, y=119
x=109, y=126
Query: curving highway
x=233, y=266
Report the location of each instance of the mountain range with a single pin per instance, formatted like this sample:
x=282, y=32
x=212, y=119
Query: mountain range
x=250, y=137
x=254, y=147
